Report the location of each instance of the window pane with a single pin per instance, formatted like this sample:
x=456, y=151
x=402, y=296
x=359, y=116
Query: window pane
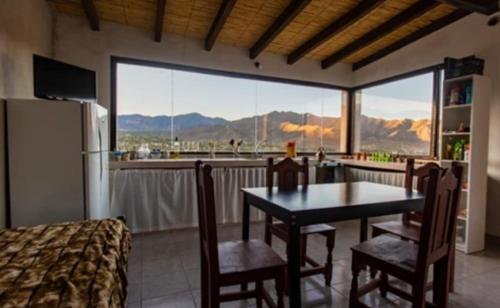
x=213, y=109
x=307, y=115
x=396, y=117
x=142, y=107
x=205, y=111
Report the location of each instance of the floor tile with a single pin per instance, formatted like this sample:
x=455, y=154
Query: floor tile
x=182, y=300
x=158, y=286
x=164, y=272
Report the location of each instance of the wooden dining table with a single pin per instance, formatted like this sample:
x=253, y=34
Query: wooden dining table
x=325, y=203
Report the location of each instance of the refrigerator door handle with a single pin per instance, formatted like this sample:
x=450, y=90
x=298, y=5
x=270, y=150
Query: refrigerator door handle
x=100, y=154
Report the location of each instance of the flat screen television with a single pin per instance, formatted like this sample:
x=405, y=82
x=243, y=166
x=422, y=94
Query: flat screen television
x=58, y=80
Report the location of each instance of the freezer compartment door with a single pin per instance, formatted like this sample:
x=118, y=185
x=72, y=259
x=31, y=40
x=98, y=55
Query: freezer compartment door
x=97, y=187
x=95, y=128
x=45, y=163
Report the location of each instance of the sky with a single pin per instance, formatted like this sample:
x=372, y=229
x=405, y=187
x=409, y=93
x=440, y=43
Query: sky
x=148, y=91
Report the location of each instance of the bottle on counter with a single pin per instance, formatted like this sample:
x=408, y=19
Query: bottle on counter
x=176, y=149
x=143, y=151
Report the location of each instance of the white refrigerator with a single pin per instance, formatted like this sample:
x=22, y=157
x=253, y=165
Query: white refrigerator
x=57, y=161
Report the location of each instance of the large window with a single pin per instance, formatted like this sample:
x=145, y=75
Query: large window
x=155, y=105
x=396, y=117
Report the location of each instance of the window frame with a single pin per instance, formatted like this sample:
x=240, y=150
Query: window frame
x=436, y=104
x=115, y=60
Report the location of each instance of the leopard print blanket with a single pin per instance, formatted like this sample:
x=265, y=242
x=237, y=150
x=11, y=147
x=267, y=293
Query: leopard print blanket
x=77, y=264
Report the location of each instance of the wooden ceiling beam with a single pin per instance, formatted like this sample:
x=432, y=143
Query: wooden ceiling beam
x=406, y=16
x=91, y=12
x=160, y=16
x=288, y=14
x=342, y=23
x=486, y=7
x=432, y=27
x=224, y=11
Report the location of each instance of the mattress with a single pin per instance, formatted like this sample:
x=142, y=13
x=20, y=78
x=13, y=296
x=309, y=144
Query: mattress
x=77, y=264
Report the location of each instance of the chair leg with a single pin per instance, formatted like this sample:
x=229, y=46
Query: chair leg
x=260, y=289
x=373, y=272
x=418, y=294
x=303, y=250
x=330, y=244
x=441, y=283
x=204, y=284
x=353, y=296
x=213, y=298
x=267, y=230
x=384, y=283
x=451, y=271
x=280, y=288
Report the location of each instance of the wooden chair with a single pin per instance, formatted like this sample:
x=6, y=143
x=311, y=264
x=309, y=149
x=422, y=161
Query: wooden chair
x=409, y=227
x=408, y=261
x=235, y=262
x=288, y=178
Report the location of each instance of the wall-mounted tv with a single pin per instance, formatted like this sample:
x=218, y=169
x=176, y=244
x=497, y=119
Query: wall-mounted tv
x=58, y=80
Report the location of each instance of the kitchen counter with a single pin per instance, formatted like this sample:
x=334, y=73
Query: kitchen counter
x=380, y=166
x=185, y=163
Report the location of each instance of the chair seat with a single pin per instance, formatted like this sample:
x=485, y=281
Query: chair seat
x=408, y=232
x=312, y=229
x=237, y=257
x=397, y=252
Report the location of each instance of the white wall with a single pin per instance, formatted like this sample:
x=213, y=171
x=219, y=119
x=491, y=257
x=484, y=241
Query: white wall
x=463, y=38
x=75, y=43
x=25, y=28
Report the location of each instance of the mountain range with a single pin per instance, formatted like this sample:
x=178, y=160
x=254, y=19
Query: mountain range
x=278, y=127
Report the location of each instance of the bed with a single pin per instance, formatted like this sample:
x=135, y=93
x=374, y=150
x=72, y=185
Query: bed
x=77, y=264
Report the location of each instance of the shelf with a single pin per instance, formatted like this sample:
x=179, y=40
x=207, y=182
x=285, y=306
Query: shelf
x=456, y=134
x=460, y=247
x=455, y=107
x=451, y=161
x=470, y=235
x=461, y=78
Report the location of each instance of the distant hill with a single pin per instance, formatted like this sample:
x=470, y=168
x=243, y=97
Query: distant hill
x=141, y=123
x=279, y=127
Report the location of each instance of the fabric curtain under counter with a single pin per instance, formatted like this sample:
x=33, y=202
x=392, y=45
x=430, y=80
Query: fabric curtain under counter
x=162, y=199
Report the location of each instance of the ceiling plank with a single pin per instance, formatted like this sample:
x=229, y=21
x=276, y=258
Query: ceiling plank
x=406, y=16
x=160, y=15
x=486, y=7
x=342, y=23
x=288, y=14
x=91, y=12
x=432, y=27
x=224, y=11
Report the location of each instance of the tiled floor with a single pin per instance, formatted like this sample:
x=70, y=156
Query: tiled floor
x=164, y=272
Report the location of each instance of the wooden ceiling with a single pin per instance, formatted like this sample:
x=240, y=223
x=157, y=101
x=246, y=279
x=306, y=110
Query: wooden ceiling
x=356, y=32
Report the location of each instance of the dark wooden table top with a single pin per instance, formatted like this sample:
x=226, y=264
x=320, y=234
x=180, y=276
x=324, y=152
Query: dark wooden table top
x=334, y=202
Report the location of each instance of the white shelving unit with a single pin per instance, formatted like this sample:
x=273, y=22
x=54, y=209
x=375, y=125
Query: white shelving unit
x=473, y=116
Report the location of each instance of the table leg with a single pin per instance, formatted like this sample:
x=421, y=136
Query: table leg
x=245, y=232
x=293, y=252
x=363, y=231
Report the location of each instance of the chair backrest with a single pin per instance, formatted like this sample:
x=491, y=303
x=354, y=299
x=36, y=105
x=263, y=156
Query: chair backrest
x=288, y=173
x=422, y=174
x=206, y=216
x=440, y=215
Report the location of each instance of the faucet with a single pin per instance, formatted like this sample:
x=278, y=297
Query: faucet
x=258, y=154
x=236, y=147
